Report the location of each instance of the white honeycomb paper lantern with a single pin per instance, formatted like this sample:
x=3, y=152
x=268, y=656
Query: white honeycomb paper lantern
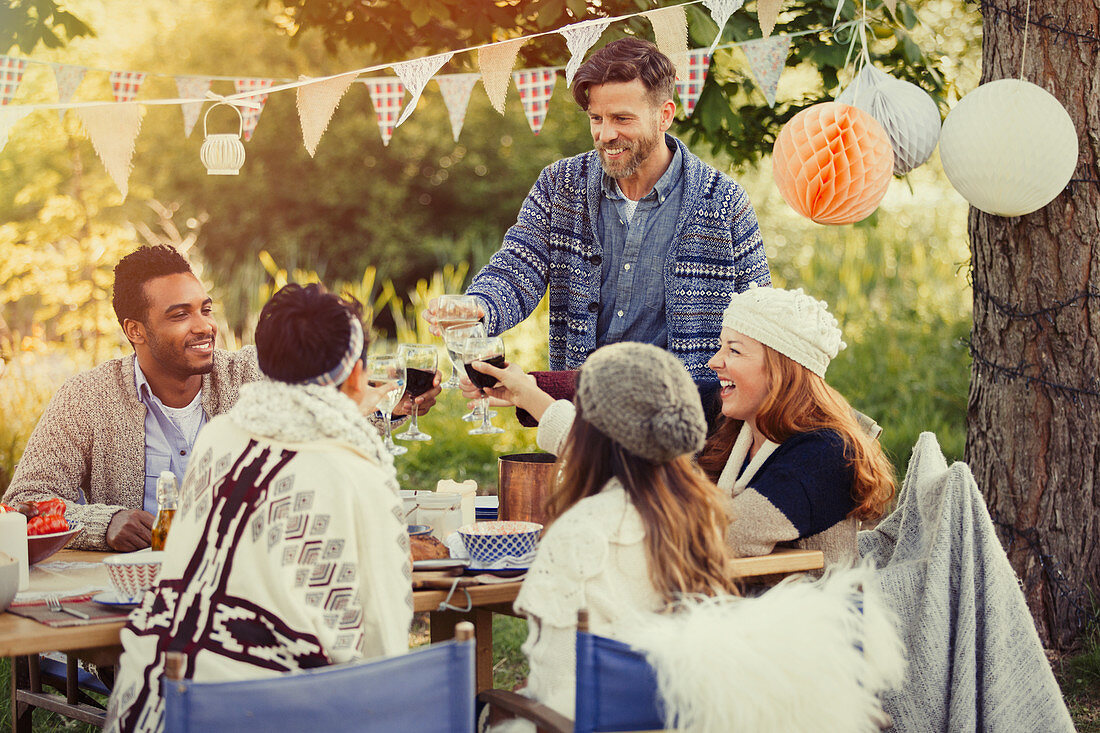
x=1009, y=147
x=907, y=113
x=222, y=153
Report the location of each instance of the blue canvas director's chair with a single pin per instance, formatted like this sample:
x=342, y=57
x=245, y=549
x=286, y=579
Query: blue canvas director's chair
x=428, y=689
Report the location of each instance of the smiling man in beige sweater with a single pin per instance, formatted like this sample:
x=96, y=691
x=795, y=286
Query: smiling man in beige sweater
x=108, y=433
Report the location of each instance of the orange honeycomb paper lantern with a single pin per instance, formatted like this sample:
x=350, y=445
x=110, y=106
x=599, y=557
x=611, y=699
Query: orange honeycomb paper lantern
x=833, y=163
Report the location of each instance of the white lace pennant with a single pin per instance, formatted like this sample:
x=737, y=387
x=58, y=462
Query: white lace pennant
x=720, y=12
x=316, y=103
x=579, y=37
x=671, y=35
x=415, y=75
x=191, y=87
x=387, y=95
x=68, y=78
x=536, y=87
x=456, y=89
x=113, y=130
x=767, y=12
x=9, y=117
x=496, y=62
x=767, y=59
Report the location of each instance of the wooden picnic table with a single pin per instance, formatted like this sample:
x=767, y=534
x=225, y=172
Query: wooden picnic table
x=99, y=643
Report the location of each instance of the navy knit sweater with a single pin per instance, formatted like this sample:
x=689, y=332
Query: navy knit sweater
x=715, y=252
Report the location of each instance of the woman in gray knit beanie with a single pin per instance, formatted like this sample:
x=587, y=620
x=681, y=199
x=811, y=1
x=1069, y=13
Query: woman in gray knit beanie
x=634, y=523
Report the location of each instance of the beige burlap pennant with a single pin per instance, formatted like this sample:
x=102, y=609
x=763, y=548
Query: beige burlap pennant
x=767, y=11
x=9, y=116
x=316, y=103
x=670, y=35
x=496, y=62
x=113, y=130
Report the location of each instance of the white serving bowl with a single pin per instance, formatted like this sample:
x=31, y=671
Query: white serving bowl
x=488, y=542
x=133, y=573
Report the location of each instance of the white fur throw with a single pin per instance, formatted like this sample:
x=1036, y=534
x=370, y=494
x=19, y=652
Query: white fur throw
x=800, y=657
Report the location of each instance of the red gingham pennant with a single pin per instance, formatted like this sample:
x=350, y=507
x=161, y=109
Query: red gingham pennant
x=388, y=96
x=125, y=84
x=691, y=87
x=11, y=73
x=252, y=116
x=536, y=86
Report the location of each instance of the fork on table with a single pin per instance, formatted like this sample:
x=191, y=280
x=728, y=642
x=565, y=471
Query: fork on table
x=54, y=604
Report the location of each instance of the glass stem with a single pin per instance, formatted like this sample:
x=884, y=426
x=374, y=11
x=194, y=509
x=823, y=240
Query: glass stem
x=389, y=428
x=414, y=429
x=483, y=403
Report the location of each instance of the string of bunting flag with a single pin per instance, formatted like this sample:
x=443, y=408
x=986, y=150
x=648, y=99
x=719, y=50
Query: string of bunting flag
x=113, y=126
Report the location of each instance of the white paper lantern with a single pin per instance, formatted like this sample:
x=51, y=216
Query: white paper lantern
x=1009, y=147
x=907, y=113
x=222, y=153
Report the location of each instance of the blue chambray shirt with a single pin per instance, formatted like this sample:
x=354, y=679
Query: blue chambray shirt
x=165, y=447
x=632, y=289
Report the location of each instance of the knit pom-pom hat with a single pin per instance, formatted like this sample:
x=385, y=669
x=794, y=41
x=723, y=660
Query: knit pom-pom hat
x=791, y=322
x=643, y=398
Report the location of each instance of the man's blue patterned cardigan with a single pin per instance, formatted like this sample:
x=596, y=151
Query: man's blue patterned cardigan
x=716, y=251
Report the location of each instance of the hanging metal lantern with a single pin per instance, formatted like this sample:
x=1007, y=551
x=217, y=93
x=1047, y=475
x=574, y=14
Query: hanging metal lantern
x=222, y=153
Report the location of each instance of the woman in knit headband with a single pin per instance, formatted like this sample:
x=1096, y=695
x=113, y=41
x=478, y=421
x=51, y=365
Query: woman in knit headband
x=789, y=449
x=634, y=524
x=293, y=459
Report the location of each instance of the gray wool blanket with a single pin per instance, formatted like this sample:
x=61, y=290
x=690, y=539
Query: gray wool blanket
x=975, y=660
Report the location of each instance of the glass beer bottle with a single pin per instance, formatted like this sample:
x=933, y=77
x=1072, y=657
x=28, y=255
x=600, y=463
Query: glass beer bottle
x=166, y=508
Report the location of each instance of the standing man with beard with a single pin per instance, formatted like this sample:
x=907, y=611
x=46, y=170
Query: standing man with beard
x=638, y=240
x=108, y=433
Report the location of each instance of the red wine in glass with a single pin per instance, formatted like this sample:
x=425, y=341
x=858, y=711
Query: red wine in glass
x=418, y=381
x=484, y=381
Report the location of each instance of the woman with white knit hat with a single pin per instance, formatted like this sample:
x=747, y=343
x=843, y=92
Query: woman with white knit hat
x=789, y=448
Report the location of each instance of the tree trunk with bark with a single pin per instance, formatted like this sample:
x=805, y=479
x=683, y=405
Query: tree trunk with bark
x=1033, y=438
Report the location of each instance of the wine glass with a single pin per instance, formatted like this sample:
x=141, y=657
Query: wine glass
x=420, y=363
x=454, y=337
x=489, y=349
x=383, y=369
x=455, y=310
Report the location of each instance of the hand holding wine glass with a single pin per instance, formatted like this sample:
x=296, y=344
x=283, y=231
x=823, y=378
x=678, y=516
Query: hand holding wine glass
x=455, y=338
x=490, y=350
x=382, y=370
x=448, y=311
x=420, y=364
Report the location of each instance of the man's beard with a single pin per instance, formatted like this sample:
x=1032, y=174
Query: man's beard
x=637, y=153
x=172, y=360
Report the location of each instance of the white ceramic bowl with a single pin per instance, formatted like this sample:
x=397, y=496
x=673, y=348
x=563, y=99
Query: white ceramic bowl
x=488, y=542
x=133, y=573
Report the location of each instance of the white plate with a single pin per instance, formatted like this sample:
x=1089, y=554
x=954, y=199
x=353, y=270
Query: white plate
x=110, y=598
x=500, y=571
x=440, y=564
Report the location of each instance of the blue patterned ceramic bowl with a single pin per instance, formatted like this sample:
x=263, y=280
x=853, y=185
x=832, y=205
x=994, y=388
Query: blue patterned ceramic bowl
x=488, y=542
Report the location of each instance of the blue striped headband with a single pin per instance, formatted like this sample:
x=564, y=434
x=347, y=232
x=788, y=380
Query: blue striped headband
x=339, y=373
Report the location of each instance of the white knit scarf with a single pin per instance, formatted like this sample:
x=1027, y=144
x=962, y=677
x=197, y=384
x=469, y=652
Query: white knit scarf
x=303, y=413
x=741, y=447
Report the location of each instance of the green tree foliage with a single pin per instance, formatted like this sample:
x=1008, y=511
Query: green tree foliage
x=730, y=115
x=26, y=23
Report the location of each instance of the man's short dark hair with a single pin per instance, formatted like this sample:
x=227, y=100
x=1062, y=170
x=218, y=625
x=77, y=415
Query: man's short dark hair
x=304, y=332
x=138, y=268
x=625, y=60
